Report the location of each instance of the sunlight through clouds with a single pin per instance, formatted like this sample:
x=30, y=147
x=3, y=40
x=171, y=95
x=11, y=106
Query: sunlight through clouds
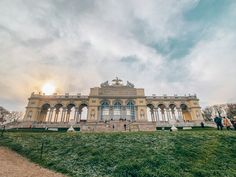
x=167, y=47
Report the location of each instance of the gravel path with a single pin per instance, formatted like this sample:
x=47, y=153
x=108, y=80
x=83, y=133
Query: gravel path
x=14, y=165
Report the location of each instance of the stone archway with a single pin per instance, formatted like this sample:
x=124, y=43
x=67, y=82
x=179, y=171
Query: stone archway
x=82, y=113
x=185, y=112
x=58, y=112
x=162, y=115
x=150, y=113
x=70, y=112
x=173, y=112
x=45, y=113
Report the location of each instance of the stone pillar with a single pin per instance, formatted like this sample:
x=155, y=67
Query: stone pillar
x=157, y=113
x=180, y=116
x=38, y=115
x=163, y=114
x=76, y=114
x=50, y=114
x=152, y=117
x=173, y=114
x=99, y=113
x=63, y=115
x=68, y=115
x=123, y=112
x=110, y=113
x=80, y=114
x=168, y=114
x=56, y=115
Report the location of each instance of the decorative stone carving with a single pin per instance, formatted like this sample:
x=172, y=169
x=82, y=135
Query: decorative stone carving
x=129, y=84
x=105, y=84
x=117, y=82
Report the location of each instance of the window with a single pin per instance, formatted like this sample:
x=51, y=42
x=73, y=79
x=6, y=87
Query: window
x=105, y=108
x=117, y=109
x=130, y=111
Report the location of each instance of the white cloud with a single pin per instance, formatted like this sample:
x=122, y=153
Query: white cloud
x=212, y=67
x=80, y=44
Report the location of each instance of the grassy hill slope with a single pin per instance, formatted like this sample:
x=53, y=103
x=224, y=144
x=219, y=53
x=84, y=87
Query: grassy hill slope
x=185, y=153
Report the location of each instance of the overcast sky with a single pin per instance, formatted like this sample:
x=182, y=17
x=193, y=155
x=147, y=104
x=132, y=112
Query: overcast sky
x=165, y=46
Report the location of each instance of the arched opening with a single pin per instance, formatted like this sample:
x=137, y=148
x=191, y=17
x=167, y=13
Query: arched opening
x=58, y=112
x=185, y=112
x=44, y=113
x=83, y=112
x=105, y=111
x=130, y=111
x=117, y=111
x=150, y=113
x=173, y=112
x=70, y=112
x=162, y=112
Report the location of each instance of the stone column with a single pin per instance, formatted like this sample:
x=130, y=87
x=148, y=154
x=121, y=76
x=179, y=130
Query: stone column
x=68, y=115
x=180, y=116
x=56, y=115
x=168, y=114
x=77, y=117
x=99, y=113
x=50, y=114
x=163, y=114
x=38, y=115
x=110, y=113
x=80, y=114
x=157, y=113
x=63, y=115
x=152, y=117
x=76, y=114
x=123, y=112
x=173, y=114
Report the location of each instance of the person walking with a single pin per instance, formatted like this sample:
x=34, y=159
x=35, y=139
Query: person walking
x=218, y=121
x=227, y=123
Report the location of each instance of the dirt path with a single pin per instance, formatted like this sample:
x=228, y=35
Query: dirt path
x=14, y=165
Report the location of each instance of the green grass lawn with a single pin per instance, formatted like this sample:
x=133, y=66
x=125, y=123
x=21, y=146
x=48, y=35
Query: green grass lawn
x=161, y=153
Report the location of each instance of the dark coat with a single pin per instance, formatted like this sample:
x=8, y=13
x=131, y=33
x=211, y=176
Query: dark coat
x=217, y=120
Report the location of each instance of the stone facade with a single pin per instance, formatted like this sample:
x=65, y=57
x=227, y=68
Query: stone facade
x=113, y=107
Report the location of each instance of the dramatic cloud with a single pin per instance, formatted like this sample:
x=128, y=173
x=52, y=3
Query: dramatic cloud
x=166, y=47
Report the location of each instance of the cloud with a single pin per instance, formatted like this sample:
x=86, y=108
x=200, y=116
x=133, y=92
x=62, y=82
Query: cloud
x=163, y=46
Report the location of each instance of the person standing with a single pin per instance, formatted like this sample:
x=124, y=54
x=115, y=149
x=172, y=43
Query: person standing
x=218, y=121
x=202, y=125
x=234, y=124
x=227, y=123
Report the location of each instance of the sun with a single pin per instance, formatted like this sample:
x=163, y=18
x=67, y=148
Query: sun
x=48, y=88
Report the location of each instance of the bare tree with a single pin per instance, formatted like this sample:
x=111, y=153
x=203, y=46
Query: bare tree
x=3, y=114
x=231, y=112
x=207, y=114
x=7, y=116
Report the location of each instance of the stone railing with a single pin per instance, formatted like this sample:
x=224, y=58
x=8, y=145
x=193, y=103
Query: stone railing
x=172, y=97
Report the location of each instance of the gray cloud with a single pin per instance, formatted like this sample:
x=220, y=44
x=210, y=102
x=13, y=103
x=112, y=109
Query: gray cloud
x=79, y=44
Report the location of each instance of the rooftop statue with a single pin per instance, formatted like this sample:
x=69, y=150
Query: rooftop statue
x=117, y=82
x=129, y=84
x=105, y=84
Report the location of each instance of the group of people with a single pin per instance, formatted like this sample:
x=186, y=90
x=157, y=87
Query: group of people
x=224, y=122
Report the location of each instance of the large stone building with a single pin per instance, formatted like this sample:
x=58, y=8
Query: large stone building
x=115, y=106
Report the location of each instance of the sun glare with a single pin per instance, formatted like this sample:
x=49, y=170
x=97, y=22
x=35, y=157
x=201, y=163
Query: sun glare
x=48, y=89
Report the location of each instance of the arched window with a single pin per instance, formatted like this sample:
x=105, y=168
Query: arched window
x=117, y=109
x=130, y=111
x=104, y=110
x=44, y=114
